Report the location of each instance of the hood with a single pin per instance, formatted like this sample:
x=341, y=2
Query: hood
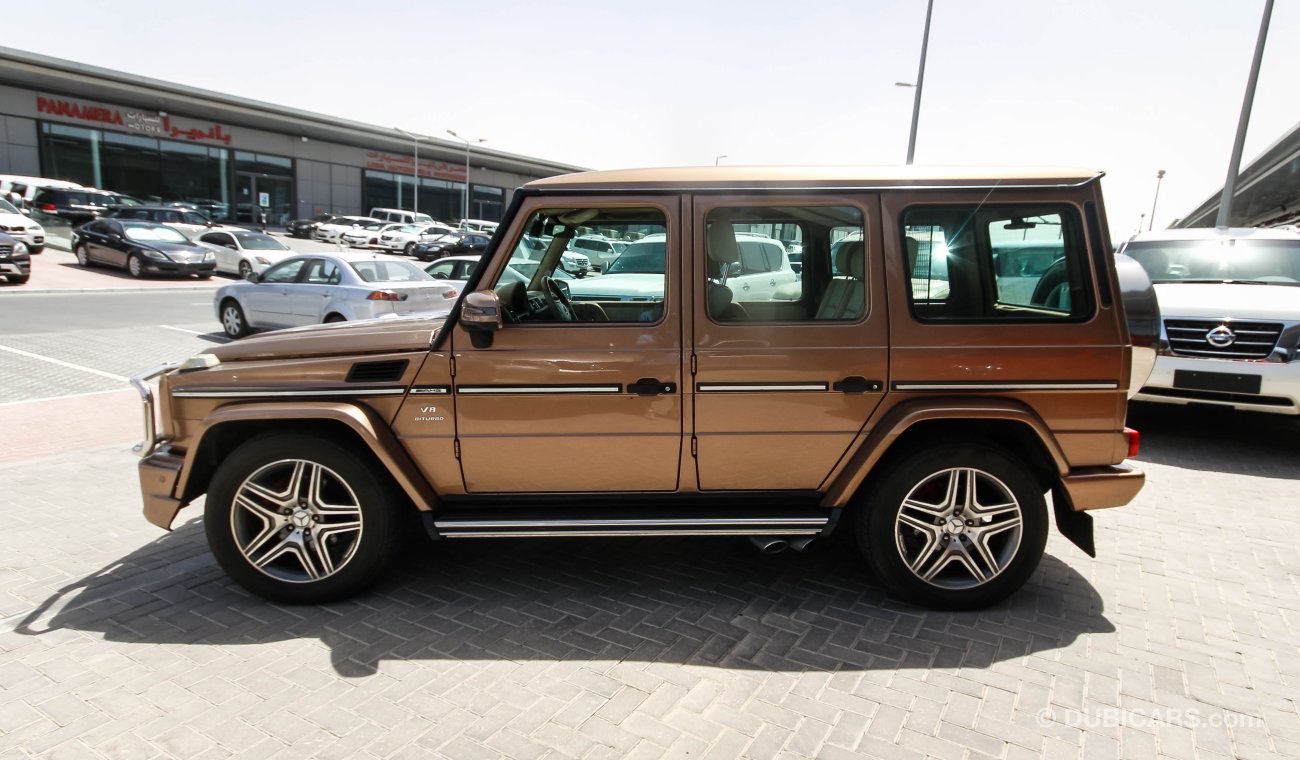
x=166, y=247
x=17, y=220
x=1225, y=300
x=370, y=336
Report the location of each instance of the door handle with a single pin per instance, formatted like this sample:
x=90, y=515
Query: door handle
x=856, y=384
x=648, y=386
x=745, y=286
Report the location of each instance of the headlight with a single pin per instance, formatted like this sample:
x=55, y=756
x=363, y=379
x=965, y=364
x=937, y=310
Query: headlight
x=264, y=261
x=19, y=248
x=155, y=255
x=209, y=256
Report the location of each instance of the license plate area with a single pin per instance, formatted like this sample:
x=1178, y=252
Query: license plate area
x=1223, y=382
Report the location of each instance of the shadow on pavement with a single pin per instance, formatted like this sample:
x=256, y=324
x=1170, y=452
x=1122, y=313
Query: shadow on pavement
x=1218, y=440
x=122, y=274
x=709, y=602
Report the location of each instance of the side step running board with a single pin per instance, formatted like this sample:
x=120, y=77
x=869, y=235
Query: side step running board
x=473, y=527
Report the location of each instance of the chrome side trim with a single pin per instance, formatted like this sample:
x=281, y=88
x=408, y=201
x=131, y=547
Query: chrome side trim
x=1030, y=386
x=651, y=522
x=141, y=383
x=182, y=393
x=759, y=387
x=479, y=389
x=631, y=534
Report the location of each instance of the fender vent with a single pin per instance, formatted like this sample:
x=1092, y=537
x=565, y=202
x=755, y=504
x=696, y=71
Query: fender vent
x=377, y=372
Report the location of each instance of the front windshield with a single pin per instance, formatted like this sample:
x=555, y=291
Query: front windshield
x=256, y=241
x=645, y=257
x=155, y=234
x=7, y=207
x=379, y=270
x=194, y=217
x=1275, y=262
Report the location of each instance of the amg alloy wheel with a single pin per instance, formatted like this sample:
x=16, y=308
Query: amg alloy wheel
x=298, y=519
x=958, y=527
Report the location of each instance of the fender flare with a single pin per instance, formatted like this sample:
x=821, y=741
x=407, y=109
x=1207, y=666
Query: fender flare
x=898, y=420
x=361, y=420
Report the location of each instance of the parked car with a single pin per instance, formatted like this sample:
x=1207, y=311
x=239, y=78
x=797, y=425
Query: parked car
x=599, y=250
x=451, y=244
x=191, y=222
x=141, y=248
x=367, y=236
x=314, y=288
x=21, y=190
x=1230, y=309
x=453, y=268
x=400, y=216
x=332, y=230
x=406, y=237
x=478, y=225
x=15, y=260
x=18, y=226
x=73, y=205
x=243, y=252
x=930, y=429
x=306, y=228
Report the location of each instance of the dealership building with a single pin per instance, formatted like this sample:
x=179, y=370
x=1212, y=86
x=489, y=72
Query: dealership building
x=164, y=142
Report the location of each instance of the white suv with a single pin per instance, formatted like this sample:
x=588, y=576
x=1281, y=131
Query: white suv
x=1230, y=310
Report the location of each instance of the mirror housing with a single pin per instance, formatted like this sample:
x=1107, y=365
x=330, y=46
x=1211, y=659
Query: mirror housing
x=480, y=313
x=733, y=269
x=254, y=277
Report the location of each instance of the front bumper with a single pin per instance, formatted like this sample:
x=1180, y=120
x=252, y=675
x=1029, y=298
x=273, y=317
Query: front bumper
x=1279, y=384
x=177, y=267
x=159, y=467
x=19, y=267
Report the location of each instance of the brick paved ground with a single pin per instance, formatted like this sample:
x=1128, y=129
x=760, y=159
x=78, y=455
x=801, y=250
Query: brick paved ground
x=1179, y=641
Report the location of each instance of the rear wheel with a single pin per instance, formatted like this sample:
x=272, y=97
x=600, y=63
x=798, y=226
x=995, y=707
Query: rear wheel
x=957, y=527
x=298, y=519
x=232, y=319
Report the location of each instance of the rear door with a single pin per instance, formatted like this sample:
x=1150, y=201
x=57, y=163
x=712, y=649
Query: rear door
x=785, y=378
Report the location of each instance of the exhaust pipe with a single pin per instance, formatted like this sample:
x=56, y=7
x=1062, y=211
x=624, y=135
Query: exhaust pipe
x=778, y=544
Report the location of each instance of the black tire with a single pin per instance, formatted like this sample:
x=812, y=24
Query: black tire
x=83, y=257
x=205, y=275
x=941, y=545
x=18, y=279
x=233, y=321
x=289, y=543
x=245, y=269
x=135, y=265
x=335, y=318
x=409, y=250
x=35, y=249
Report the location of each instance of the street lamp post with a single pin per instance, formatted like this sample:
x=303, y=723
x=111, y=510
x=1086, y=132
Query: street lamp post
x=920, y=80
x=415, y=183
x=468, y=142
x=1160, y=174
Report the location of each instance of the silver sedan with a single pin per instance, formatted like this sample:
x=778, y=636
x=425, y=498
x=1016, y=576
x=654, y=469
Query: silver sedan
x=329, y=287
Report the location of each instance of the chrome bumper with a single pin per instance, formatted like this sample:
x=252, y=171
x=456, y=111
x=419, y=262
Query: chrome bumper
x=141, y=383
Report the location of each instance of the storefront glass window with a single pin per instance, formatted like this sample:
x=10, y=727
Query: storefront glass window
x=487, y=202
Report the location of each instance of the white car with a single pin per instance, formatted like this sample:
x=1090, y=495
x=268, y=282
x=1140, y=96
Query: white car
x=367, y=236
x=243, y=252
x=332, y=231
x=17, y=225
x=405, y=237
x=599, y=250
x=532, y=249
x=312, y=288
x=762, y=274
x=1230, y=317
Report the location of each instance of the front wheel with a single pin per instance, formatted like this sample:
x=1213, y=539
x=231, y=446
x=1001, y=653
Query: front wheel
x=299, y=519
x=245, y=269
x=956, y=527
x=409, y=250
x=233, y=321
x=83, y=256
x=135, y=266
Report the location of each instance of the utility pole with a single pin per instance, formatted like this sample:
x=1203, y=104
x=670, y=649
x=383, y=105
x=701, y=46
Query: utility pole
x=1234, y=163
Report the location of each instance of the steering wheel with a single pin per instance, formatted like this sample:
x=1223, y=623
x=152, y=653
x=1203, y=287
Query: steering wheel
x=557, y=301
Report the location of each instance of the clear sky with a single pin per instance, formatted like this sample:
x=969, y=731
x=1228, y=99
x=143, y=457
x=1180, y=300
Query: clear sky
x=1124, y=86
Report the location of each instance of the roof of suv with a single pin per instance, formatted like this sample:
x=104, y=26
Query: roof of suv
x=1214, y=233
x=806, y=177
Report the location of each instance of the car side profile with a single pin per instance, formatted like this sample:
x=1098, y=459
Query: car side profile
x=142, y=248
x=904, y=391
x=243, y=252
x=310, y=289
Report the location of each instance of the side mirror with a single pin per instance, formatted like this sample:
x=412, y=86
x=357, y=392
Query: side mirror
x=254, y=277
x=480, y=313
x=733, y=269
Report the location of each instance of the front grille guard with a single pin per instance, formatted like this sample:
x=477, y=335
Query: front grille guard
x=141, y=384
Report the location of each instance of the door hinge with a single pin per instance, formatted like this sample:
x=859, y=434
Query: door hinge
x=692, y=364
x=456, y=445
x=695, y=446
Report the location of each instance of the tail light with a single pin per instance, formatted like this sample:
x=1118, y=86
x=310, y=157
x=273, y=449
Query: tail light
x=49, y=207
x=385, y=295
x=1134, y=441
x=451, y=293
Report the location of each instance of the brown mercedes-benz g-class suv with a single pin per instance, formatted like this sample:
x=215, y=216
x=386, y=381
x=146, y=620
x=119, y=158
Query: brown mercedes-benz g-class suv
x=954, y=349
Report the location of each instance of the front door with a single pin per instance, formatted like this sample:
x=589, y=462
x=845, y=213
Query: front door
x=578, y=391
x=268, y=302
x=788, y=370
